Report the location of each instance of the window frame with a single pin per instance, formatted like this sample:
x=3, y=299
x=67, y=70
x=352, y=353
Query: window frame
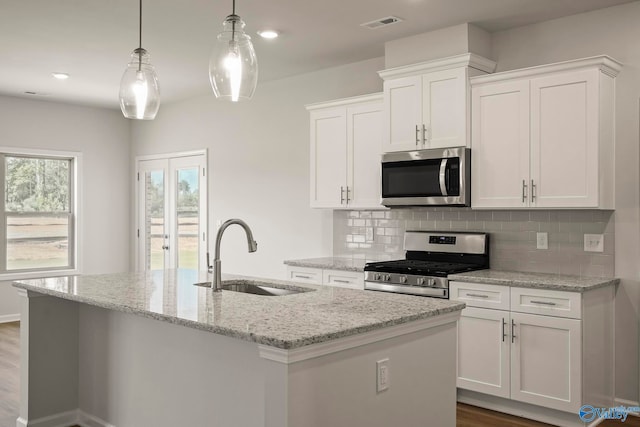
x=73, y=214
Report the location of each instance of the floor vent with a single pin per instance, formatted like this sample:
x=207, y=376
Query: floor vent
x=382, y=22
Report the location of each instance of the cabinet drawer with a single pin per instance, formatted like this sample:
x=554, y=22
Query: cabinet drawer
x=304, y=274
x=480, y=295
x=344, y=279
x=546, y=302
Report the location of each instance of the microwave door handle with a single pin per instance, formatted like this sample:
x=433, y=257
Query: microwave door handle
x=443, y=171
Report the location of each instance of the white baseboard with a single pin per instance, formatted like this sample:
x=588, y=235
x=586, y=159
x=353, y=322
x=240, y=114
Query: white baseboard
x=87, y=420
x=65, y=419
x=10, y=318
x=58, y=420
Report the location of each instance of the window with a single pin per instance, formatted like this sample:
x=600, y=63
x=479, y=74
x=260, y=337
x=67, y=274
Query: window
x=37, y=232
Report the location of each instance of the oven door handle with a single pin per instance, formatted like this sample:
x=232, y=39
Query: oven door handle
x=443, y=172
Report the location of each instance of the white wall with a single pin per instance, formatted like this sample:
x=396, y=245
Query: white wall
x=613, y=31
x=102, y=136
x=259, y=162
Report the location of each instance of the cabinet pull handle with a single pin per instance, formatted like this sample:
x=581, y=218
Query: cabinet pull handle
x=348, y=191
x=478, y=295
x=417, y=135
x=513, y=331
x=341, y=281
x=426, y=137
x=524, y=190
x=300, y=276
x=533, y=192
x=504, y=334
x=341, y=195
x=543, y=302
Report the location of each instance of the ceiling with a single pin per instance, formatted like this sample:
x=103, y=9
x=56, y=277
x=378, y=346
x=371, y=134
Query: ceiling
x=92, y=39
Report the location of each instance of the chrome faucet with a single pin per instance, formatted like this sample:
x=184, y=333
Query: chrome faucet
x=216, y=283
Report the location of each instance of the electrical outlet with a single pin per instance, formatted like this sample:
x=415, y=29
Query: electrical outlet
x=594, y=243
x=542, y=241
x=382, y=375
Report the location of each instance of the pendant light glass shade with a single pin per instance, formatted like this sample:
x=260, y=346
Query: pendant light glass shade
x=233, y=66
x=139, y=90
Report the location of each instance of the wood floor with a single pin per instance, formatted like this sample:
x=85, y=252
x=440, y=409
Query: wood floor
x=467, y=416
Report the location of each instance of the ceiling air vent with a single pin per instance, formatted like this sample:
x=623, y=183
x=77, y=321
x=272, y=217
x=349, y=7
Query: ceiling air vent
x=382, y=22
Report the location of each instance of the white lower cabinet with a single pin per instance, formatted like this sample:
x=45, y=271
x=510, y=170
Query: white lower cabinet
x=531, y=345
x=483, y=351
x=319, y=276
x=546, y=361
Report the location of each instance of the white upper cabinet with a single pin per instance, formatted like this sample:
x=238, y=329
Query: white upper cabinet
x=426, y=105
x=543, y=137
x=345, y=144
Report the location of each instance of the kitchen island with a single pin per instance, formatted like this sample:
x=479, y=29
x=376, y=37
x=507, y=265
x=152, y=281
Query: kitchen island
x=152, y=349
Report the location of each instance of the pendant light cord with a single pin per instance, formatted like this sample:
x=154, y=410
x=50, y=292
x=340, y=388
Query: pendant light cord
x=140, y=38
x=233, y=23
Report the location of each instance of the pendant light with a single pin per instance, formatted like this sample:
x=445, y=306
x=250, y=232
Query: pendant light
x=233, y=66
x=139, y=90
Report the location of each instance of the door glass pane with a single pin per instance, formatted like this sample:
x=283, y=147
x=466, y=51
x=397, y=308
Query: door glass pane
x=187, y=215
x=37, y=241
x=154, y=219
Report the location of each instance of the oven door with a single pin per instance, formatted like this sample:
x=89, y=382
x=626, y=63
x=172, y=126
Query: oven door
x=426, y=177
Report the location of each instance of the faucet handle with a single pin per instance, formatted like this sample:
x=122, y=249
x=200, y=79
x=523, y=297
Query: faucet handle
x=209, y=266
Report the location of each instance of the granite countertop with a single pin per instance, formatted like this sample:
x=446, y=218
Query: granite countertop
x=558, y=282
x=287, y=322
x=331, y=263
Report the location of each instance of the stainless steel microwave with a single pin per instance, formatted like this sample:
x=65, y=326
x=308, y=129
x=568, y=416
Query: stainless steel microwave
x=433, y=177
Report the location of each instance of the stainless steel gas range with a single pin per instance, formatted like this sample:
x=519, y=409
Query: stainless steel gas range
x=430, y=257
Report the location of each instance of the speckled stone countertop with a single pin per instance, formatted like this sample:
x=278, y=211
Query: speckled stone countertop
x=331, y=263
x=287, y=322
x=558, y=282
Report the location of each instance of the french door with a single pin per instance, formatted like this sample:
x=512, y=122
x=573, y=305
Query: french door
x=171, y=212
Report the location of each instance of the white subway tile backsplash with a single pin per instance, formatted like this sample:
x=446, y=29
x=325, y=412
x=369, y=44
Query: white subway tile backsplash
x=513, y=236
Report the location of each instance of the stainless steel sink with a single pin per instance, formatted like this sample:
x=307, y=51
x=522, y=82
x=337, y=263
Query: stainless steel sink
x=258, y=288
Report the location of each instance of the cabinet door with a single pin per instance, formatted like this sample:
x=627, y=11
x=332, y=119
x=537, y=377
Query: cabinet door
x=546, y=361
x=444, y=108
x=500, y=145
x=364, y=143
x=403, y=114
x=564, y=140
x=483, y=351
x=328, y=155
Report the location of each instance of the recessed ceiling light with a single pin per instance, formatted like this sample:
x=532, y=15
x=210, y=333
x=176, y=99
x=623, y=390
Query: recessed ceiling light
x=268, y=34
x=60, y=76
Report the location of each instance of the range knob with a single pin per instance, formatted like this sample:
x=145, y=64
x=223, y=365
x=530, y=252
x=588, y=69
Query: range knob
x=420, y=281
x=431, y=282
x=403, y=279
x=376, y=276
x=387, y=277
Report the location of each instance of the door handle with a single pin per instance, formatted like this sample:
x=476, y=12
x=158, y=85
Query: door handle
x=417, y=135
x=513, y=331
x=348, y=191
x=424, y=134
x=533, y=191
x=341, y=195
x=443, y=171
x=524, y=190
x=504, y=334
